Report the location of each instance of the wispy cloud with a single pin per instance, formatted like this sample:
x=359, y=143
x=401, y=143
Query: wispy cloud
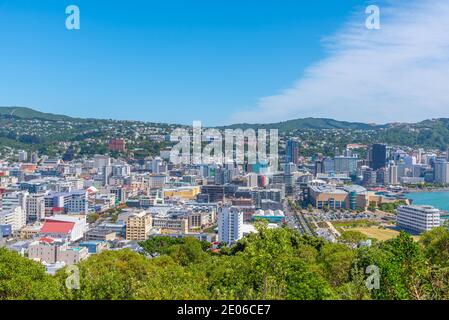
x=397, y=73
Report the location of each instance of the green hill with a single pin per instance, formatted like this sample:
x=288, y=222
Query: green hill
x=307, y=123
x=28, y=113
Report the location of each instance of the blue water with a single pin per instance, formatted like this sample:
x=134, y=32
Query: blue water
x=439, y=200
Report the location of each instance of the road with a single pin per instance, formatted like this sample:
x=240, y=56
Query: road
x=296, y=220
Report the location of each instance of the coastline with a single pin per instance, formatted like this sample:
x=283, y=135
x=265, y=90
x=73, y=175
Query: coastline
x=427, y=190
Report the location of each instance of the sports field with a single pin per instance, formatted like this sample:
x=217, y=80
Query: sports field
x=378, y=233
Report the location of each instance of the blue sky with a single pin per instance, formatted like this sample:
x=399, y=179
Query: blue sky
x=178, y=61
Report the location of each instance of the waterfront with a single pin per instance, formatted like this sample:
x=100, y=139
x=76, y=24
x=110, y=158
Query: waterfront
x=438, y=199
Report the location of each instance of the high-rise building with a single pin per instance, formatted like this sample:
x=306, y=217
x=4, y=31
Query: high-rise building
x=34, y=157
x=441, y=172
x=319, y=168
x=230, y=225
x=251, y=180
x=393, y=170
x=23, y=156
x=100, y=161
x=378, y=155
x=156, y=164
x=106, y=174
x=383, y=176
x=121, y=170
x=328, y=165
x=418, y=218
x=290, y=168
x=35, y=207
x=292, y=152
x=343, y=164
x=369, y=177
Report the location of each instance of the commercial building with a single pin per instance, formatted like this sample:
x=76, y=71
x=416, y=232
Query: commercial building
x=273, y=216
x=418, y=218
x=353, y=197
x=347, y=165
x=393, y=174
x=138, y=226
x=35, y=207
x=441, y=170
x=328, y=197
x=69, y=228
x=75, y=202
x=168, y=223
x=14, y=217
x=252, y=180
x=50, y=251
x=292, y=152
x=230, y=224
x=213, y=193
x=378, y=156
x=186, y=193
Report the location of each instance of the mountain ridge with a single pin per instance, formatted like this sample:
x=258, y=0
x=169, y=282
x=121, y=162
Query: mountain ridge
x=293, y=124
x=300, y=123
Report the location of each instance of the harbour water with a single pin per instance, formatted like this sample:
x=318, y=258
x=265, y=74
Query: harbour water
x=439, y=199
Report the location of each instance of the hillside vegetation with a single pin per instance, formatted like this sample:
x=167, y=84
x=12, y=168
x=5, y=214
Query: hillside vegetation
x=272, y=264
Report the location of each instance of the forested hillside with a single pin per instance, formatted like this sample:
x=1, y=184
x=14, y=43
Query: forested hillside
x=272, y=264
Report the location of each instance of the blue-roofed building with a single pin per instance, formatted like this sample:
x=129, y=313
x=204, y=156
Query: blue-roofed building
x=93, y=246
x=5, y=230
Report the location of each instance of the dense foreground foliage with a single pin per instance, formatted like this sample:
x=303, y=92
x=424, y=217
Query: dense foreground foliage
x=272, y=264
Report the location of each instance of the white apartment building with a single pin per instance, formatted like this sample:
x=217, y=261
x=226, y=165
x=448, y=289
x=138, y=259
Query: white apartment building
x=35, y=207
x=230, y=225
x=15, y=199
x=418, y=218
x=14, y=217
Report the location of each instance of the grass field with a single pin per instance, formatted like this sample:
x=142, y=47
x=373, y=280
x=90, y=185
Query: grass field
x=378, y=233
x=353, y=224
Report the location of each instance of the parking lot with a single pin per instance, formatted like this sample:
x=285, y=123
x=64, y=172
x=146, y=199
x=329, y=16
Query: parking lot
x=343, y=216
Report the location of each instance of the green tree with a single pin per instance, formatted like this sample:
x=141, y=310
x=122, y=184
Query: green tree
x=436, y=246
x=22, y=278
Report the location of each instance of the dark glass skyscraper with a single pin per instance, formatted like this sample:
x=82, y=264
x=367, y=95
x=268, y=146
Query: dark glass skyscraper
x=292, y=152
x=378, y=156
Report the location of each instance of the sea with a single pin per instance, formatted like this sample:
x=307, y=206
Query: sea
x=438, y=200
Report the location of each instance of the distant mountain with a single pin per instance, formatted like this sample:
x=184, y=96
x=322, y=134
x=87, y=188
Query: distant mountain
x=28, y=113
x=432, y=133
x=308, y=123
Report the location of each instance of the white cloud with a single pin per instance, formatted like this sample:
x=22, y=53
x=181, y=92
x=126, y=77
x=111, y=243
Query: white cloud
x=398, y=73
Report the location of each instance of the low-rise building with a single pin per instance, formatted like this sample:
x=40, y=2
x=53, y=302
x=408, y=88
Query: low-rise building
x=418, y=218
x=50, y=251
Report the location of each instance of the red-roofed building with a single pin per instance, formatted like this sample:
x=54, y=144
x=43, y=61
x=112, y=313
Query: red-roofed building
x=117, y=145
x=46, y=240
x=64, y=227
x=57, y=227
